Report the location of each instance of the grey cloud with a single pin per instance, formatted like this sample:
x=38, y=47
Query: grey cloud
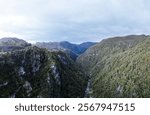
x=74, y=20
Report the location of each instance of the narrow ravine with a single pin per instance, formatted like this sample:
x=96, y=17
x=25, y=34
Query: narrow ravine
x=88, y=90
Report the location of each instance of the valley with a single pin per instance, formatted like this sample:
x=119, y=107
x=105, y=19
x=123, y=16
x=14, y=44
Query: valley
x=117, y=67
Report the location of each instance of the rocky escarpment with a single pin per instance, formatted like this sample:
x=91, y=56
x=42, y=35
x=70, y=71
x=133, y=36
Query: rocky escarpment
x=36, y=72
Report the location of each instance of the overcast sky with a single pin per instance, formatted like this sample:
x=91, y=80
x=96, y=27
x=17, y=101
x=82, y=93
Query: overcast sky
x=73, y=20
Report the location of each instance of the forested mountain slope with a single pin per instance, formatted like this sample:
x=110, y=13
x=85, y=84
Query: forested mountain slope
x=119, y=67
x=36, y=72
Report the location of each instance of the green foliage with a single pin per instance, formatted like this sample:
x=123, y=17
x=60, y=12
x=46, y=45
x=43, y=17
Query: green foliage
x=120, y=67
x=36, y=72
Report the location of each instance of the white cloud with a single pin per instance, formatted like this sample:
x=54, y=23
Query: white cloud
x=73, y=20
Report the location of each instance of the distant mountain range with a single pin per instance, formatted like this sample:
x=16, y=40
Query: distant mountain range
x=10, y=44
x=74, y=50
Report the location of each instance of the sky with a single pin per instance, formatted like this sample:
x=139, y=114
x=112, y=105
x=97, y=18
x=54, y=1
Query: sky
x=75, y=21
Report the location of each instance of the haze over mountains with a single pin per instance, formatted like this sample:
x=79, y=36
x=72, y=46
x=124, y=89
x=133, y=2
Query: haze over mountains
x=114, y=67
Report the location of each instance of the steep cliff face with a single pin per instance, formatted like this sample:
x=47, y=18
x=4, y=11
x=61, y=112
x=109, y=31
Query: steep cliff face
x=36, y=72
x=119, y=67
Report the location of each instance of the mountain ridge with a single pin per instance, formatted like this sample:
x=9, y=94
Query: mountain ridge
x=12, y=43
